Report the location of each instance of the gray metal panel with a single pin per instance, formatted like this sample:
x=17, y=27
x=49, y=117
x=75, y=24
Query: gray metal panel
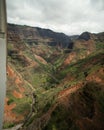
x=2, y=16
x=2, y=59
x=2, y=78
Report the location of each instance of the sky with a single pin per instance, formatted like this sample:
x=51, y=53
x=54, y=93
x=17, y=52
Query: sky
x=68, y=16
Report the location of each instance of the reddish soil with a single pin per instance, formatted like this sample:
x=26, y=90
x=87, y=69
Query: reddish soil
x=10, y=71
x=69, y=58
x=18, y=80
x=9, y=115
x=17, y=94
x=96, y=77
x=40, y=59
x=21, y=89
x=69, y=90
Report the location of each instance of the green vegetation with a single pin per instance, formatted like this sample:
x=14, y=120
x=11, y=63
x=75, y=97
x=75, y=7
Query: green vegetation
x=89, y=64
x=64, y=118
x=8, y=125
x=99, y=45
x=60, y=120
x=22, y=108
x=46, y=81
x=10, y=46
x=79, y=71
x=10, y=101
x=47, y=90
x=22, y=105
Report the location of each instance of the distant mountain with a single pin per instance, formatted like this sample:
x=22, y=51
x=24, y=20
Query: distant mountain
x=99, y=37
x=34, y=35
x=85, y=36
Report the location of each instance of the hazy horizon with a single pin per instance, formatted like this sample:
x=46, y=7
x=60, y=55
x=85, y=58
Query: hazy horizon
x=63, y=16
x=54, y=30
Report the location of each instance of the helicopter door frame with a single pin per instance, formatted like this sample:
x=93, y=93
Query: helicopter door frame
x=3, y=55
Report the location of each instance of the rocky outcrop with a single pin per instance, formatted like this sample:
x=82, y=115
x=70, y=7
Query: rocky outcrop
x=85, y=36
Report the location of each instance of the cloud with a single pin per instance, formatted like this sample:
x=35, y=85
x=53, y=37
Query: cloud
x=68, y=16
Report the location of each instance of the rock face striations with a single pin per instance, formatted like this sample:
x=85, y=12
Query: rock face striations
x=34, y=35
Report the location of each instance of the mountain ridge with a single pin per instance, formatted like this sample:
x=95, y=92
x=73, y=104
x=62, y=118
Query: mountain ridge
x=27, y=31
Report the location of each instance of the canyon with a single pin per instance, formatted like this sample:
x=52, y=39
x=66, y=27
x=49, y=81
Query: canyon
x=55, y=81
